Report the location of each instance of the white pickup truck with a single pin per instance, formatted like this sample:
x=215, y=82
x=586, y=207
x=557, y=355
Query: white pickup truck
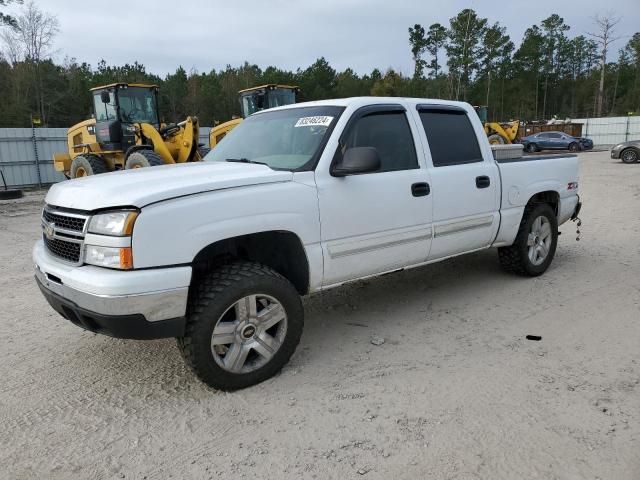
x=293, y=201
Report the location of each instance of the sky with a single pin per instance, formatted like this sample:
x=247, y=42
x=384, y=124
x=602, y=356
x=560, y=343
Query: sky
x=361, y=34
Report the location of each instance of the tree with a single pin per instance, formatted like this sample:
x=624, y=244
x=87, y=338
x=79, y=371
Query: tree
x=318, y=81
x=496, y=50
x=174, y=93
x=527, y=65
x=553, y=28
x=436, y=39
x=632, y=48
x=6, y=19
x=463, y=48
x=32, y=40
x=604, y=36
x=418, y=45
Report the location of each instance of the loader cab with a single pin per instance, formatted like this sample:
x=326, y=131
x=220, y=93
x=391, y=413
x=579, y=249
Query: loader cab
x=254, y=99
x=118, y=107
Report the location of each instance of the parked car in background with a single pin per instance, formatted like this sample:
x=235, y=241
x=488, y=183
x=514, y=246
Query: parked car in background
x=628, y=152
x=555, y=141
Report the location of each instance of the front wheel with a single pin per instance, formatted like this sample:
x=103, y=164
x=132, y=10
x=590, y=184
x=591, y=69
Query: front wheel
x=244, y=323
x=535, y=244
x=142, y=159
x=574, y=147
x=531, y=148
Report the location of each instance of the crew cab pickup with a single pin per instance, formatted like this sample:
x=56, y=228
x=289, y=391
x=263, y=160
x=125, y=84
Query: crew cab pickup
x=293, y=201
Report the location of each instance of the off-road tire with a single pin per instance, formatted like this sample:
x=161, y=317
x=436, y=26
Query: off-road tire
x=202, y=152
x=574, y=147
x=629, y=156
x=531, y=148
x=515, y=258
x=142, y=159
x=496, y=139
x=88, y=163
x=213, y=294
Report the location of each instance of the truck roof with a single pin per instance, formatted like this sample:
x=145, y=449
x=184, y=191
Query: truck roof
x=362, y=101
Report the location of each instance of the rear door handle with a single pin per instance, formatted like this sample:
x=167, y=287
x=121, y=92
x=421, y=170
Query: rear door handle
x=420, y=189
x=483, y=181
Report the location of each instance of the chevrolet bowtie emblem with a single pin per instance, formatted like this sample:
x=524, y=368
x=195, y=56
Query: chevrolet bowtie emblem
x=48, y=230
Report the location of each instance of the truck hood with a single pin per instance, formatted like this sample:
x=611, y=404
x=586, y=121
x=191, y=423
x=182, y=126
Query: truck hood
x=140, y=187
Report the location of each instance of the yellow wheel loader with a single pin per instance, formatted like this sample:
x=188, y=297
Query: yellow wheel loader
x=125, y=132
x=253, y=100
x=498, y=133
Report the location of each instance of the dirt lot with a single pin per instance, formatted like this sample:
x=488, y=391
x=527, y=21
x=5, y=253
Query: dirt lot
x=455, y=390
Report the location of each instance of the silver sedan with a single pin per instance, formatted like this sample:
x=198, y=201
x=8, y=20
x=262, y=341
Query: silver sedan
x=628, y=152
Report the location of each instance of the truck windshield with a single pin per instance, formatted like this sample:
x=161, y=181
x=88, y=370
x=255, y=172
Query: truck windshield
x=137, y=105
x=288, y=139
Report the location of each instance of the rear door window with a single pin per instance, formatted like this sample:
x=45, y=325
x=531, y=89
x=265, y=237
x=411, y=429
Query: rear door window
x=452, y=139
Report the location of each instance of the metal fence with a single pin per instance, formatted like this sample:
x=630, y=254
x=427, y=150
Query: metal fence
x=26, y=154
x=610, y=130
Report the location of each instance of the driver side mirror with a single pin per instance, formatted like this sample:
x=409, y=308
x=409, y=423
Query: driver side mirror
x=357, y=160
x=105, y=97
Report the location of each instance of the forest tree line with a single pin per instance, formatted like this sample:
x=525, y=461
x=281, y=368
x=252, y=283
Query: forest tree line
x=550, y=73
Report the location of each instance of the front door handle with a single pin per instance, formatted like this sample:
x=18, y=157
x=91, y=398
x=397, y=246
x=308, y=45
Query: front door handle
x=420, y=189
x=483, y=181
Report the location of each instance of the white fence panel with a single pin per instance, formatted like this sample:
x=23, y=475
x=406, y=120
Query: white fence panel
x=610, y=130
x=26, y=155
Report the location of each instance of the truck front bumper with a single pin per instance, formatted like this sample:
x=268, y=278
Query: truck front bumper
x=138, y=304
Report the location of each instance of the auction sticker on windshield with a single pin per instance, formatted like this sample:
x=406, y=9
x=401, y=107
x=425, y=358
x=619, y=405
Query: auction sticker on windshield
x=321, y=120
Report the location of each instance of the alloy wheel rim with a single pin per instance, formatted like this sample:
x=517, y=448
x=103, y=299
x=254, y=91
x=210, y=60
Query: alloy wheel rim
x=249, y=333
x=539, y=240
x=629, y=156
x=81, y=172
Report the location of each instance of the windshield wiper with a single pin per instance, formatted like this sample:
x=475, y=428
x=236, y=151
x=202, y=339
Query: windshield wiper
x=245, y=160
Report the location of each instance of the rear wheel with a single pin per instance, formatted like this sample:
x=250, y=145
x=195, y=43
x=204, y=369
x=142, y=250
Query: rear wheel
x=244, y=323
x=531, y=148
x=535, y=245
x=143, y=158
x=629, y=156
x=574, y=147
x=87, y=164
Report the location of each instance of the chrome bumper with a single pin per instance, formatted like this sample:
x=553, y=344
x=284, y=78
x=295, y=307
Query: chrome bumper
x=145, y=298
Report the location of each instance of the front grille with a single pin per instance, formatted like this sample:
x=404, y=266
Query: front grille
x=62, y=221
x=68, y=251
x=63, y=234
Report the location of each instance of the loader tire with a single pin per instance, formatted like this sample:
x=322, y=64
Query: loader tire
x=142, y=159
x=496, y=139
x=87, y=164
x=535, y=245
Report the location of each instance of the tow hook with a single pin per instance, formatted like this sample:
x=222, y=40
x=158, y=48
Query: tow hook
x=578, y=225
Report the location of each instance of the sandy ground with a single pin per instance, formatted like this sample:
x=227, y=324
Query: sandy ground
x=454, y=392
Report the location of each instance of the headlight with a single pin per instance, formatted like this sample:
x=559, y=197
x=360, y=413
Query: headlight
x=119, y=223
x=110, y=257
